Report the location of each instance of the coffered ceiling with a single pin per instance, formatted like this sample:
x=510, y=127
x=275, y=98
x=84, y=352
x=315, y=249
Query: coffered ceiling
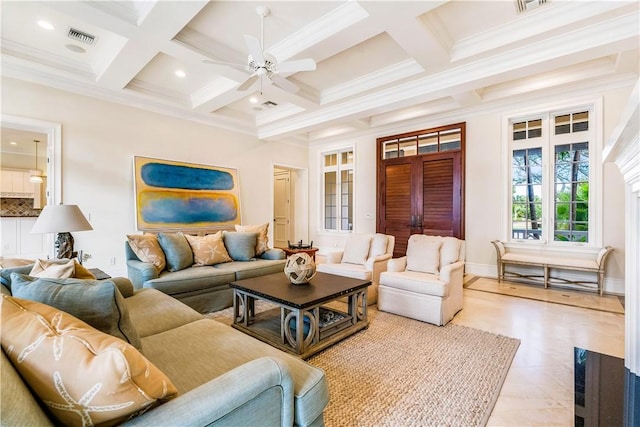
x=379, y=63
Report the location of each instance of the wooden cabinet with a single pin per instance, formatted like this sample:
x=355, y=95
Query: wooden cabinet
x=19, y=242
x=16, y=183
x=421, y=184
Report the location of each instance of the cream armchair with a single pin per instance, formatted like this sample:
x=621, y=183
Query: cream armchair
x=364, y=257
x=426, y=284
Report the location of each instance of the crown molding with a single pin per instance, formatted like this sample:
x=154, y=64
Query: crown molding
x=43, y=59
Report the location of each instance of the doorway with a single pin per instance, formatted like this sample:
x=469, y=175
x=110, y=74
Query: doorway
x=290, y=205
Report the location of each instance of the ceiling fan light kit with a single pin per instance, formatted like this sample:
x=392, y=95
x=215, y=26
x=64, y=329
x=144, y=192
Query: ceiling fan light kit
x=263, y=65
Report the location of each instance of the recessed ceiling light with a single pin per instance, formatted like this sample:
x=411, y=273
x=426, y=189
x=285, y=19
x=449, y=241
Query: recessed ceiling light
x=75, y=48
x=46, y=25
x=13, y=143
x=253, y=100
x=181, y=74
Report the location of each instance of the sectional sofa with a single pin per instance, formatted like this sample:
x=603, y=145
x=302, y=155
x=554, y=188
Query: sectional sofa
x=197, y=270
x=211, y=373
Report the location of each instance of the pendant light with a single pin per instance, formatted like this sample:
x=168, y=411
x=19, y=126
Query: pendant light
x=37, y=179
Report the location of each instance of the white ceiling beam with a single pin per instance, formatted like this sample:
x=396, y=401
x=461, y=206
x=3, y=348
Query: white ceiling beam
x=467, y=98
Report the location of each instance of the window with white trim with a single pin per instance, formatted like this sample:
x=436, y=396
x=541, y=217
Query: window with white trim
x=552, y=176
x=337, y=190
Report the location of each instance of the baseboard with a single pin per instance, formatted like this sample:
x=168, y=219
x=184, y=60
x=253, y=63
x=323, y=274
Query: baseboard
x=611, y=286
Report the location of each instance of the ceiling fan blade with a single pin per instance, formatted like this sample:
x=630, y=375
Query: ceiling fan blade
x=254, y=49
x=297, y=65
x=226, y=64
x=283, y=83
x=247, y=83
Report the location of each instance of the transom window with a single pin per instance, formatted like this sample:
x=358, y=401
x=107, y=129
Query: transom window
x=552, y=175
x=337, y=175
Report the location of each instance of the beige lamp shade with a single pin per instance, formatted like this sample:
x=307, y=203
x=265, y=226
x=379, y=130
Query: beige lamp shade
x=61, y=219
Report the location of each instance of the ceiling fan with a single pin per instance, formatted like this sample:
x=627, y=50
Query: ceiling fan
x=263, y=65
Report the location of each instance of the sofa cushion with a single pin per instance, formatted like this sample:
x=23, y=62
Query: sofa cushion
x=262, y=242
x=147, y=249
x=190, y=280
x=209, y=249
x=356, y=249
x=423, y=253
x=177, y=250
x=60, y=268
x=416, y=282
x=198, y=341
x=450, y=250
x=253, y=268
x=83, y=376
x=96, y=302
x=45, y=268
x=240, y=245
x=379, y=244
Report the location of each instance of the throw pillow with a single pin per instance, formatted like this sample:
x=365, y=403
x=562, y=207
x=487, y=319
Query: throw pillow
x=5, y=274
x=378, y=245
x=423, y=253
x=240, y=245
x=83, y=376
x=147, y=249
x=262, y=244
x=209, y=249
x=60, y=269
x=356, y=249
x=176, y=250
x=52, y=269
x=450, y=250
x=96, y=302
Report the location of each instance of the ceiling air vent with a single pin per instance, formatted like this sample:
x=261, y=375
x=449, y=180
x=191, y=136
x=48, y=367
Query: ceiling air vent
x=525, y=5
x=269, y=104
x=81, y=36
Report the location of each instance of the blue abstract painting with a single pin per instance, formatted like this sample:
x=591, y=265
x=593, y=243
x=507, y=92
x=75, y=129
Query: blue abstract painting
x=185, y=196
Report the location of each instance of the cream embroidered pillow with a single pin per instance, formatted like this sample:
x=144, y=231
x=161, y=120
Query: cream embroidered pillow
x=147, y=248
x=53, y=270
x=423, y=253
x=356, y=249
x=262, y=243
x=83, y=376
x=209, y=249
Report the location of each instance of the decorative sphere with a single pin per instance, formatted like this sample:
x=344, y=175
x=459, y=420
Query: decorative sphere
x=300, y=268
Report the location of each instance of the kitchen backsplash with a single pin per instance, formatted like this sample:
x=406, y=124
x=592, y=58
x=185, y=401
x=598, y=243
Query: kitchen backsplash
x=18, y=207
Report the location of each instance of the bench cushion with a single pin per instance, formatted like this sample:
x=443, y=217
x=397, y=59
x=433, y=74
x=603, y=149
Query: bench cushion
x=550, y=261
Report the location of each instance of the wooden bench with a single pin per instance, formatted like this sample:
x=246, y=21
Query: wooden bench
x=548, y=262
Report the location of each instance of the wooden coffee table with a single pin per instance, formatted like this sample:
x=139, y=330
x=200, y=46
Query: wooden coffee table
x=302, y=324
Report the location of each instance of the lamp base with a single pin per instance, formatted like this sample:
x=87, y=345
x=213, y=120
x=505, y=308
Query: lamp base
x=64, y=245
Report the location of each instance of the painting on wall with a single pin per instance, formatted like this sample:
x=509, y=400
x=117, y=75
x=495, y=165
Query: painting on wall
x=173, y=195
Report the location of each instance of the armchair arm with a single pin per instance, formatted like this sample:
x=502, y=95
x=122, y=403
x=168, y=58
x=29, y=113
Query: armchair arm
x=259, y=392
x=397, y=264
x=334, y=257
x=376, y=261
x=139, y=272
x=124, y=285
x=452, y=273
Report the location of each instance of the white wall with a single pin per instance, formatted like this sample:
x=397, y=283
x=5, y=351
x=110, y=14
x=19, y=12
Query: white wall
x=99, y=141
x=484, y=216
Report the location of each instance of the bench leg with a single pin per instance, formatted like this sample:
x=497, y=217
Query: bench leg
x=546, y=276
x=500, y=271
x=600, y=282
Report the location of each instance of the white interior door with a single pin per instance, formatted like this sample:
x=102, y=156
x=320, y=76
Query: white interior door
x=281, y=208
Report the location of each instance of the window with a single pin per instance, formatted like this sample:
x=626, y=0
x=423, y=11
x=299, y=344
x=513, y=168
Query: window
x=337, y=173
x=552, y=176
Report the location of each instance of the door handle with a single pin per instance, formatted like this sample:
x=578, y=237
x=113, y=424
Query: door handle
x=413, y=221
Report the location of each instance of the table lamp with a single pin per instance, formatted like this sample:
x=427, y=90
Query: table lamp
x=61, y=219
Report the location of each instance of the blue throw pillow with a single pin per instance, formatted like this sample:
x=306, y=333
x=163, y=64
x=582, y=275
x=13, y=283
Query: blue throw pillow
x=5, y=274
x=177, y=250
x=241, y=246
x=98, y=303
x=273, y=253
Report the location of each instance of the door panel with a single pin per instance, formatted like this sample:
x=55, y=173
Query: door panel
x=281, y=209
x=396, y=212
x=438, y=193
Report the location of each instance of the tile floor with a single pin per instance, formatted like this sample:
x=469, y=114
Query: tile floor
x=538, y=390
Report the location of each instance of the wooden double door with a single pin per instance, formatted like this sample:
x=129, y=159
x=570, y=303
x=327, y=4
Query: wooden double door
x=421, y=193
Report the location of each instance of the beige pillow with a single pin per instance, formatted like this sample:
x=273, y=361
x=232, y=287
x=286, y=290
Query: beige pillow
x=147, y=249
x=262, y=243
x=423, y=253
x=450, y=250
x=53, y=270
x=83, y=376
x=356, y=249
x=209, y=249
x=378, y=245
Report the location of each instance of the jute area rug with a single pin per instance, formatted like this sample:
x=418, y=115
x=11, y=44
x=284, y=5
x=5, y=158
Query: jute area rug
x=402, y=372
x=584, y=299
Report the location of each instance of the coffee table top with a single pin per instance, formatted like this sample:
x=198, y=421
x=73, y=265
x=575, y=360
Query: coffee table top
x=323, y=287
